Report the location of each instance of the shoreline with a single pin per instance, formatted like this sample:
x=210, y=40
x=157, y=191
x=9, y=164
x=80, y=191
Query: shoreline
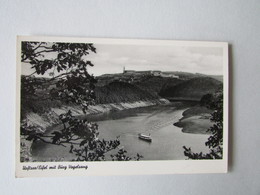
x=45, y=125
x=46, y=120
x=195, y=120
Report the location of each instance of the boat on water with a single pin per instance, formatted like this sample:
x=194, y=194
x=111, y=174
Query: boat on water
x=145, y=137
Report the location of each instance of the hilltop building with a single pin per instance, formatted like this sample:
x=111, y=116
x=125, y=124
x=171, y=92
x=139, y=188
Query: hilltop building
x=150, y=72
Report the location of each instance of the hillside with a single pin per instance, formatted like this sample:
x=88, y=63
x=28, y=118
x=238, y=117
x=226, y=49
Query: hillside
x=192, y=89
x=153, y=84
x=117, y=92
x=124, y=88
x=217, y=77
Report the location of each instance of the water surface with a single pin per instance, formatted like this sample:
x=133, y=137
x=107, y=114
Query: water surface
x=167, y=139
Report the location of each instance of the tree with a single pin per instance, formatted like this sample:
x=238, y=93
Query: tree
x=215, y=141
x=68, y=82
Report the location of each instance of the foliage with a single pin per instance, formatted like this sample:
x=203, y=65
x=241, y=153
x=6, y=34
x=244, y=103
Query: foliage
x=117, y=92
x=68, y=81
x=206, y=99
x=121, y=156
x=192, y=89
x=66, y=60
x=215, y=141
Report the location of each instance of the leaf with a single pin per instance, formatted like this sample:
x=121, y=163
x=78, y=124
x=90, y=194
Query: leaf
x=57, y=137
x=83, y=142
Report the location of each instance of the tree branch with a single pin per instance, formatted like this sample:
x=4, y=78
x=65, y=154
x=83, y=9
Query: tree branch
x=31, y=74
x=39, y=52
x=48, y=142
x=45, y=47
x=38, y=46
x=63, y=74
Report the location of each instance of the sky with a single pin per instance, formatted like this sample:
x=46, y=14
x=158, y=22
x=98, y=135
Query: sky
x=111, y=59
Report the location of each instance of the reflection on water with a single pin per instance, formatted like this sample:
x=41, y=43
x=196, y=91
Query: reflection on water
x=167, y=140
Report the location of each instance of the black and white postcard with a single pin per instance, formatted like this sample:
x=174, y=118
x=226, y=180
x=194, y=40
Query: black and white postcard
x=90, y=106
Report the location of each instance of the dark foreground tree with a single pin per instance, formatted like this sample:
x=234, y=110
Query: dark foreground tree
x=215, y=141
x=69, y=82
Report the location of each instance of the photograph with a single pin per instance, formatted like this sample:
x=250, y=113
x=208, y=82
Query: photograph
x=115, y=100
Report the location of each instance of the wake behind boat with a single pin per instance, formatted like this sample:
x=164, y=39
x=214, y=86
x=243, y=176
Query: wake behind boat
x=145, y=137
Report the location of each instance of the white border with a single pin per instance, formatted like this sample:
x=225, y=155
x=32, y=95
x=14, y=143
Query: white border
x=130, y=167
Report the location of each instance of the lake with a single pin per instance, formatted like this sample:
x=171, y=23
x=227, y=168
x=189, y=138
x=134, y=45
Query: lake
x=167, y=139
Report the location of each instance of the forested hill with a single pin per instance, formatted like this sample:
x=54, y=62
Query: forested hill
x=147, y=87
x=117, y=92
x=123, y=88
x=130, y=87
x=192, y=89
x=154, y=85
